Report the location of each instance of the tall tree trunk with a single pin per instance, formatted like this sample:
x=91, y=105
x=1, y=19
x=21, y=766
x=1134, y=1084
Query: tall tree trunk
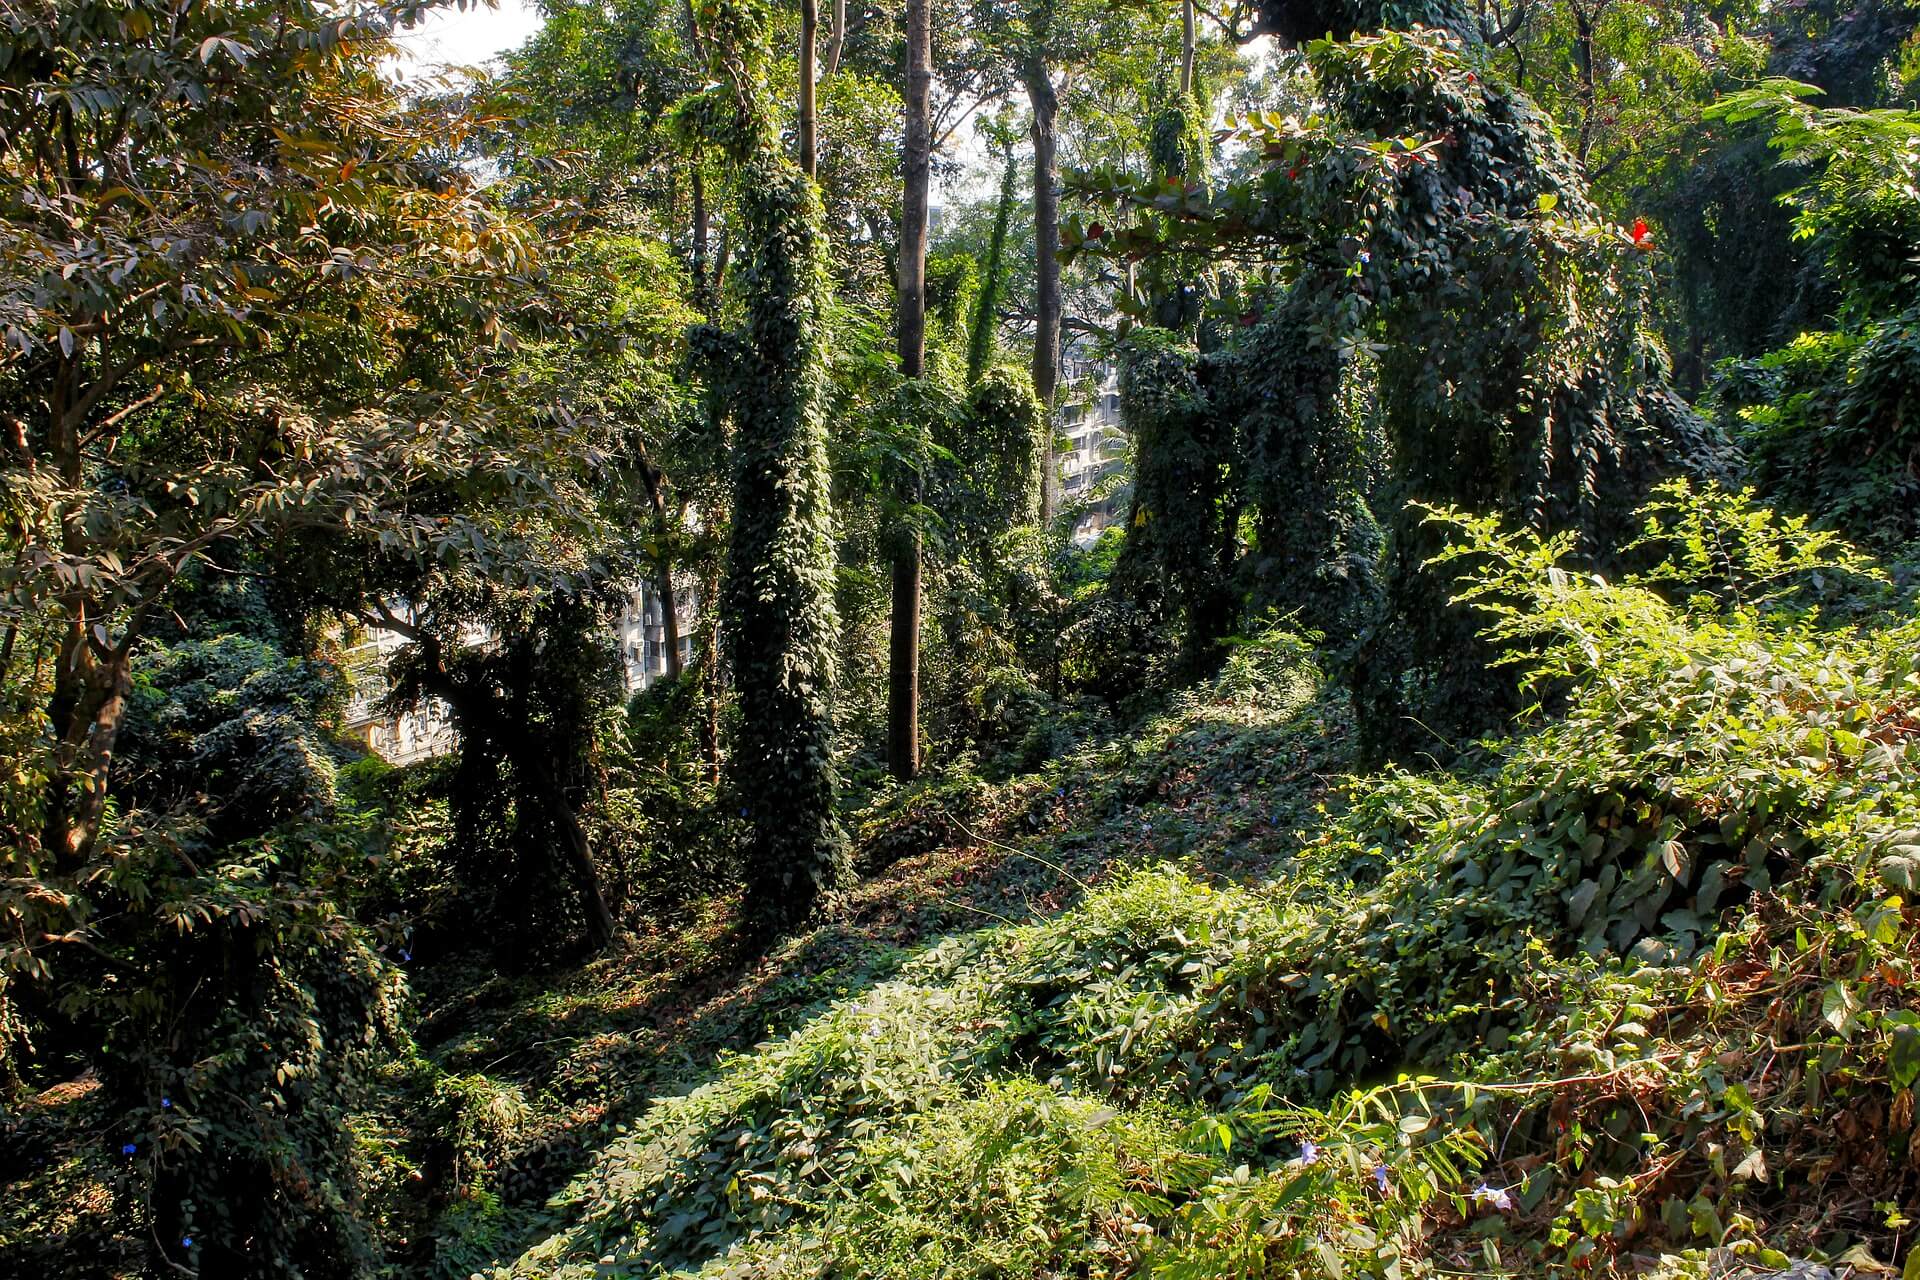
x=1186, y=47
x=702, y=222
x=1046, y=244
x=809, y=29
x=903, y=674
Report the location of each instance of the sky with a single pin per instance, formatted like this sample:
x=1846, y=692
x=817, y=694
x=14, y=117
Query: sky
x=456, y=37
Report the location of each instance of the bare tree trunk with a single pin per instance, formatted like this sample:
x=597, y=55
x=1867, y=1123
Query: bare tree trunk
x=1186, y=47
x=702, y=220
x=1046, y=244
x=903, y=674
x=809, y=28
x=837, y=38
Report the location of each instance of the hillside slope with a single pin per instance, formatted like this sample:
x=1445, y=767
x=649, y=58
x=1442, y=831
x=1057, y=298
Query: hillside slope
x=1629, y=989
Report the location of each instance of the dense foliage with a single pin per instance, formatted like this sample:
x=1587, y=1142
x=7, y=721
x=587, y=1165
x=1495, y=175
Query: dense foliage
x=940, y=639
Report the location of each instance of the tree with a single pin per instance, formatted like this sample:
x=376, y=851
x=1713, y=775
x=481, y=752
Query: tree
x=777, y=602
x=903, y=677
x=526, y=700
x=247, y=295
x=1431, y=220
x=221, y=232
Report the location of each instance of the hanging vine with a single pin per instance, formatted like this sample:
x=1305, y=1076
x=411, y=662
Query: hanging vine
x=1431, y=218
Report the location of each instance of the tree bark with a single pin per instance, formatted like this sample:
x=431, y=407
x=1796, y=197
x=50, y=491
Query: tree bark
x=903, y=673
x=89, y=704
x=809, y=29
x=1186, y=47
x=837, y=37
x=702, y=221
x=1046, y=243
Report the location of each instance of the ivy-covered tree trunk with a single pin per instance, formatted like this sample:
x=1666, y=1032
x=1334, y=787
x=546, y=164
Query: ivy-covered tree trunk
x=986, y=307
x=777, y=604
x=1181, y=527
x=498, y=705
x=1514, y=372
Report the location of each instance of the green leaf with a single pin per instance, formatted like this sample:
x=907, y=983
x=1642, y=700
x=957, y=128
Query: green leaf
x=1548, y=201
x=1901, y=872
x=1840, y=1007
x=1903, y=1060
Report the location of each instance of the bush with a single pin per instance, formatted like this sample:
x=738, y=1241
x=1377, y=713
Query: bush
x=230, y=1008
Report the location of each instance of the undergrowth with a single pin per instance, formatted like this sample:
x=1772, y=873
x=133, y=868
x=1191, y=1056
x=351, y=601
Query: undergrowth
x=1611, y=993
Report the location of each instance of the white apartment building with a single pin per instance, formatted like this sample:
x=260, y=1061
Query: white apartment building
x=1088, y=420
x=428, y=730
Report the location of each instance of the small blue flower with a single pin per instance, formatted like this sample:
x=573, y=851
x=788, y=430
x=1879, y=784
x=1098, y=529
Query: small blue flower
x=1380, y=1177
x=743, y=811
x=166, y=1103
x=406, y=957
x=1309, y=1152
x=130, y=1148
x=186, y=1242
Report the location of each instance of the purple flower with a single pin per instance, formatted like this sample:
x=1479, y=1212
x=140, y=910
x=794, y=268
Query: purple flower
x=1495, y=1196
x=1380, y=1178
x=1309, y=1152
x=129, y=1149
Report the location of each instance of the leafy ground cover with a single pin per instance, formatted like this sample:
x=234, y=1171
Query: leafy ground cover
x=1627, y=991
x=1610, y=995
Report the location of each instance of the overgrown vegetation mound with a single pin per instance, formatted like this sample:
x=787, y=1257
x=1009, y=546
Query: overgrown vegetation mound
x=1616, y=988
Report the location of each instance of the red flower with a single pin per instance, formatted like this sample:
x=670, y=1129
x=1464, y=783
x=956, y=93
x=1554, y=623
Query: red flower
x=1642, y=234
x=1096, y=231
x=1293, y=173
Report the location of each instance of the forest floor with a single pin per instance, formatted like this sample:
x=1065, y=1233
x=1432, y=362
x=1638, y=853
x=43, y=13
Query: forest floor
x=1197, y=1000
x=1627, y=993
x=1219, y=786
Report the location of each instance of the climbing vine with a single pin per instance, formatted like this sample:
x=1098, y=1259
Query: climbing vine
x=1431, y=219
x=777, y=600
